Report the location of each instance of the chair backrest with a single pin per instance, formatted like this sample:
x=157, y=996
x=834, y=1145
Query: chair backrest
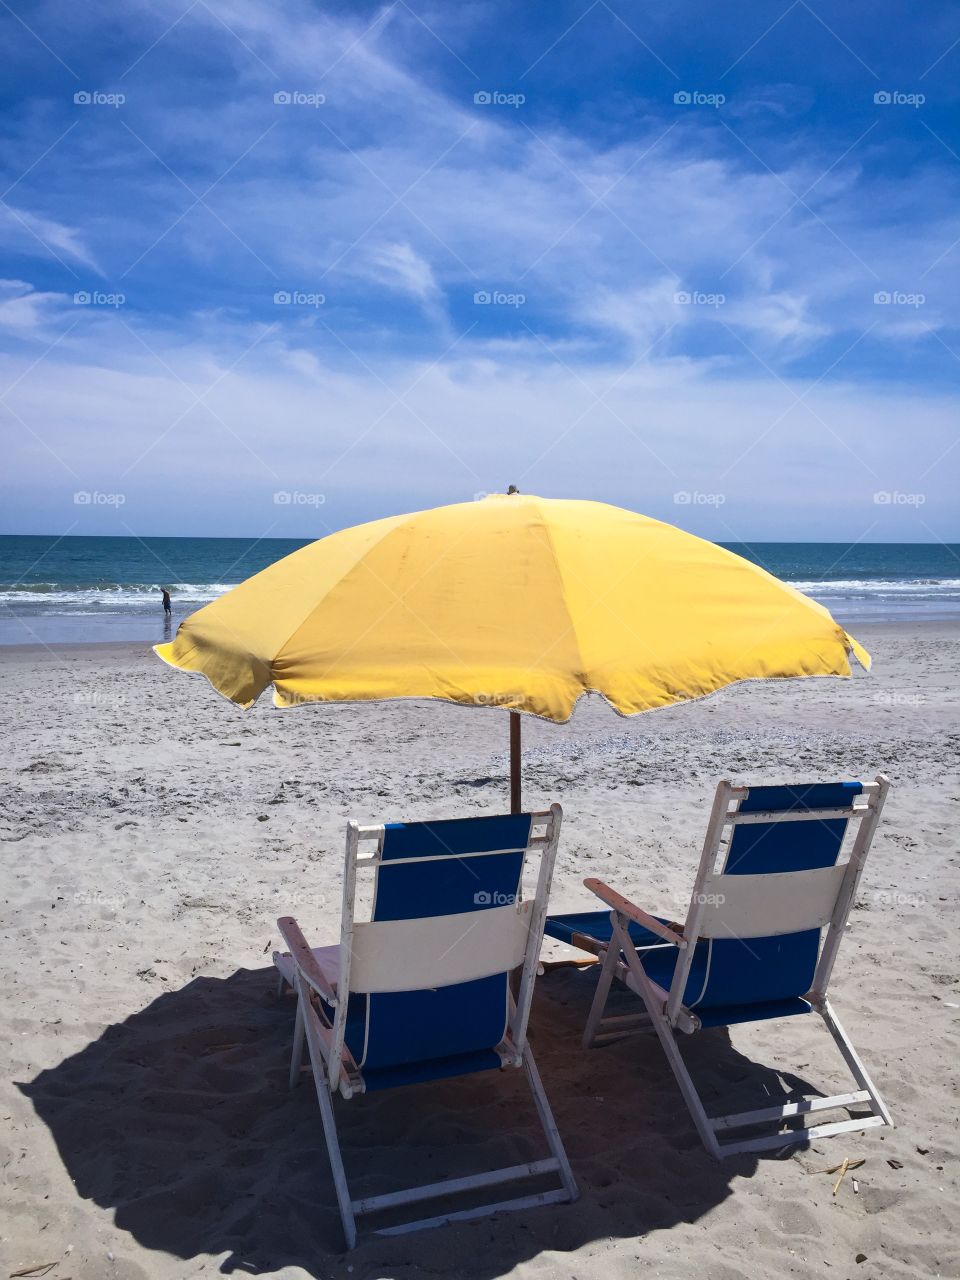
x=428, y=974
x=759, y=918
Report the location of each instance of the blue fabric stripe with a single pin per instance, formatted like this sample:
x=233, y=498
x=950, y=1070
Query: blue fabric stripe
x=414, y=890
x=438, y=1069
x=595, y=924
x=765, y=970
x=412, y=1034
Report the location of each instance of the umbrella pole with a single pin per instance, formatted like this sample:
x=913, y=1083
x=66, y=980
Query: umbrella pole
x=514, y=761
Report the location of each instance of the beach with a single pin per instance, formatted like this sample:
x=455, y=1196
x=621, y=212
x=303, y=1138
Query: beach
x=153, y=832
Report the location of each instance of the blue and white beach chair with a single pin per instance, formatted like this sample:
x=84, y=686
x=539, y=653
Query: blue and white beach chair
x=422, y=990
x=759, y=942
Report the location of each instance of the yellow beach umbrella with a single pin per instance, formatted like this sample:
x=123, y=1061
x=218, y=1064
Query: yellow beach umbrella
x=513, y=601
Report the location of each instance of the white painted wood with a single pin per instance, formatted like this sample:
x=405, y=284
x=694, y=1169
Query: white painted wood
x=484, y=1211
x=510, y=936
x=535, y=925
x=323, y=1088
x=748, y=908
x=665, y=1034
x=723, y=797
x=296, y=1059
x=845, y=899
x=451, y=1186
x=760, y=906
x=804, y=1107
x=796, y=815
x=554, y=1141
x=790, y=1137
x=347, y=907
x=600, y=996
x=854, y=1062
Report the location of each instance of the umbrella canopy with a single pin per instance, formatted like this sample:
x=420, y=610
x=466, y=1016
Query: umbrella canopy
x=512, y=601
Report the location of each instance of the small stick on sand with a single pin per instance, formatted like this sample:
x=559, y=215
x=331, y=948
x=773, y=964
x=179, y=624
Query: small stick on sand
x=843, y=1169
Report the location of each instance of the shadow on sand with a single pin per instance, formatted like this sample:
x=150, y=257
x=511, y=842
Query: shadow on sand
x=179, y=1119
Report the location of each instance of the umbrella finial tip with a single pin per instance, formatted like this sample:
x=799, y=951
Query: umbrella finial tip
x=512, y=489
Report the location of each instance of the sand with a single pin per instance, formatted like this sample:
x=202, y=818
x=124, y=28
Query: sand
x=151, y=834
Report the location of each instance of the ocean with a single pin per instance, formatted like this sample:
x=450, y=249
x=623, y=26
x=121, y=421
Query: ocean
x=79, y=589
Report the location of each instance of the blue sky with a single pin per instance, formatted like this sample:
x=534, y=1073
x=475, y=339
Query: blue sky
x=698, y=261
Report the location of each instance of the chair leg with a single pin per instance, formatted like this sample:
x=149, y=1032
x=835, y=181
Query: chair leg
x=595, y=1016
x=852, y=1059
x=296, y=1061
x=549, y=1124
x=308, y=1016
x=665, y=1034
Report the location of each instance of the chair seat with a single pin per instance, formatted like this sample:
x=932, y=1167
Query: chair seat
x=594, y=925
x=660, y=962
x=659, y=966
x=460, y=1064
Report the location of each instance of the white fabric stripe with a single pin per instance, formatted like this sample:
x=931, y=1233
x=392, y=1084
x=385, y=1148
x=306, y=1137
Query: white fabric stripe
x=438, y=951
x=763, y=906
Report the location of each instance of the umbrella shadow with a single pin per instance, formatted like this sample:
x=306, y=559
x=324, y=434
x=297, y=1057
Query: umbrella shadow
x=179, y=1120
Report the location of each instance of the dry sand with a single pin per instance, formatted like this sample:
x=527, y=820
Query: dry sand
x=152, y=833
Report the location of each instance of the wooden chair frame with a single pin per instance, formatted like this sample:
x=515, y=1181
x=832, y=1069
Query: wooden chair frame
x=666, y=1014
x=335, y=1071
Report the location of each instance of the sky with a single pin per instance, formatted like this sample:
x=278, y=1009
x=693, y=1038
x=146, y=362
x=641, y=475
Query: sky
x=270, y=270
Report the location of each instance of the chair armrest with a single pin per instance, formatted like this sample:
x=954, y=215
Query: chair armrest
x=625, y=908
x=303, y=958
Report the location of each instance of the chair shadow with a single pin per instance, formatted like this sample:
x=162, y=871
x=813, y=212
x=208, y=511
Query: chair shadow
x=179, y=1120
